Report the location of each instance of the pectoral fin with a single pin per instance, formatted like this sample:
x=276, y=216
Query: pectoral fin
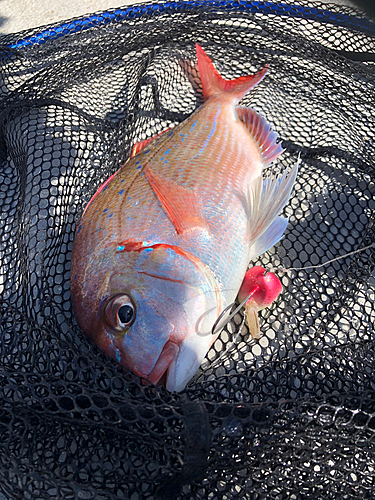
x=182, y=205
x=270, y=237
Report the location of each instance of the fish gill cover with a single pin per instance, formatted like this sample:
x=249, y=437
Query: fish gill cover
x=291, y=415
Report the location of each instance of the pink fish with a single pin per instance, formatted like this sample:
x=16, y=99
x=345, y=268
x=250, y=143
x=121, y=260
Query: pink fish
x=164, y=244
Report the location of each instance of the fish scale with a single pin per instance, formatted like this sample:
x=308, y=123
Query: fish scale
x=195, y=176
x=169, y=236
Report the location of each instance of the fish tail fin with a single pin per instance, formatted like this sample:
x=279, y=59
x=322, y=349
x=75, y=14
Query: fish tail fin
x=214, y=84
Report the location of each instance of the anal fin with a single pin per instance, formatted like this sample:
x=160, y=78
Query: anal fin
x=182, y=205
x=270, y=237
x=264, y=201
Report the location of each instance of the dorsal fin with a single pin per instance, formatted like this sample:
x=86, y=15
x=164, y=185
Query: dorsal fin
x=262, y=132
x=213, y=83
x=182, y=205
x=138, y=146
x=101, y=188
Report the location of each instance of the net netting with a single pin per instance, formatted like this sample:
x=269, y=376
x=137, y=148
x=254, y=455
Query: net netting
x=291, y=415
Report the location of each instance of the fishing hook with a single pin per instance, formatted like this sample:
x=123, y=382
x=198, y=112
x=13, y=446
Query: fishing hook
x=216, y=328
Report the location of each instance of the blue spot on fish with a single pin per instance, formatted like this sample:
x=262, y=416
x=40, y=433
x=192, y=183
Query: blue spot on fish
x=121, y=192
x=138, y=168
x=148, y=250
x=120, y=248
x=110, y=215
x=105, y=210
x=193, y=124
x=167, y=151
x=171, y=252
x=80, y=227
x=118, y=355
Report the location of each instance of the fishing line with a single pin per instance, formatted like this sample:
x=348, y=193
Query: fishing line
x=233, y=343
x=217, y=327
x=281, y=269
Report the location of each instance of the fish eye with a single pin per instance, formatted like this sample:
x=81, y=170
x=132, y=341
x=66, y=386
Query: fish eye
x=120, y=312
x=125, y=314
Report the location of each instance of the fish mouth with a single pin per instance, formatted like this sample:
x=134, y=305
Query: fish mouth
x=168, y=354
x=178, y=363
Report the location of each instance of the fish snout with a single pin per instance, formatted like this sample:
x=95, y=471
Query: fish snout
x=187, y=362
x=179, y=361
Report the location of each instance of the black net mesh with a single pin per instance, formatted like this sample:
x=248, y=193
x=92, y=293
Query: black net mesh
x=289, y=416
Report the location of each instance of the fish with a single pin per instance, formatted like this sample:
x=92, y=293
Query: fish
x=164, y=244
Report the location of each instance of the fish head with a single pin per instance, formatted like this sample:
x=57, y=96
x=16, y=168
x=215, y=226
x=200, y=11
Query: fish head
x=152, y=311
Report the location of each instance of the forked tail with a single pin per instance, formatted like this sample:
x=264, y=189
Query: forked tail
x=214, y=84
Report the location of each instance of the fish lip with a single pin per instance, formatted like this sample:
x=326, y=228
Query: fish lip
x=169, y=353
x=184, y=366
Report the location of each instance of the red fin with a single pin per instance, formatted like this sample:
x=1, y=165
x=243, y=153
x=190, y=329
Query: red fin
x=98, y=191
x=182, y=205
x=213, y=83
x=138, y=146
x=191, y=72
x=261, y=130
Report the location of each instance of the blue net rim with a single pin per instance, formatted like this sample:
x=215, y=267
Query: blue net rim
x=157, y=8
